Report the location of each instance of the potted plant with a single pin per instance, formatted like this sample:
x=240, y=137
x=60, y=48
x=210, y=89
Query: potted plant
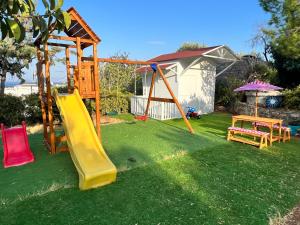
x=295, y=125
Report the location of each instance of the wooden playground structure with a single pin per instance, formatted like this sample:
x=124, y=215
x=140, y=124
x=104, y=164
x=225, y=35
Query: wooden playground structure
x=84, y=76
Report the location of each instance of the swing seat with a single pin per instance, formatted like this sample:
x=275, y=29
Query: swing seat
x=141, y=118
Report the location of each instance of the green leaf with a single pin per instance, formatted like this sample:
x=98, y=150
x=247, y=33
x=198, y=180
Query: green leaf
x=50, y=20
x=23, y=32
x=10, y=4
x=35, y=33
x=15, y=29
x=67, y=19
x=46, y=4
x=59, y=4
x=52, y=4
x=31, y=5
x=43, y=25
x=3, y=29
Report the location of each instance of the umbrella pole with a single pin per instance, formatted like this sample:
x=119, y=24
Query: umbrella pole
x=256, y=103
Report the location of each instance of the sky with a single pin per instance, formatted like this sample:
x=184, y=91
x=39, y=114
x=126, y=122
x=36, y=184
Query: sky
x=146, y=29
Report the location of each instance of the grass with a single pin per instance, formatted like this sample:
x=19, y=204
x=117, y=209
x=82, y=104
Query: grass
x=175, y=178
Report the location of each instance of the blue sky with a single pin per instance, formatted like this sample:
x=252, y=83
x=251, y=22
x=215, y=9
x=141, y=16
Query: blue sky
x=145, y=29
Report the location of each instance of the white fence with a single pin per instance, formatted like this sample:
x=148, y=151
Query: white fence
x=23, y=89
x=157, y=110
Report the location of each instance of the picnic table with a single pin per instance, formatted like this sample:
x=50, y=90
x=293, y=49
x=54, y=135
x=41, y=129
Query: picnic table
x=255, y=119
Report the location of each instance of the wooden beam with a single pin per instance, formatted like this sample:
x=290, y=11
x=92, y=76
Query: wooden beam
x=61, y=45
x=231, y=64
x=61, y=138
x=109, y=60
x=41, y=87
x=218, y=57
x=65, y=38
x=175, y=99
x=67, y=52
x=162, y=99
x=150, y=92
x=97, y=90
x=79, y=67
x=49, y=100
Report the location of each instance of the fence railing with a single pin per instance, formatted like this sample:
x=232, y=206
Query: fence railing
x=157, y=110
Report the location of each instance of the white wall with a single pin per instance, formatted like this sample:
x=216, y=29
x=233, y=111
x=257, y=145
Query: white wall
x=160, y=90
x=197, y=87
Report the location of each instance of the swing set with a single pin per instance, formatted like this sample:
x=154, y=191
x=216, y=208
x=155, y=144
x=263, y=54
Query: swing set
x=84, y=77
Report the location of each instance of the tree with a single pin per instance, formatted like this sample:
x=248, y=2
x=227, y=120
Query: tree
x=262, y=39
x=116, y=82
x=14, y=57
x=284, y=38
x=19, y=17
x=116, y=76
x=190, y=46
x=13, y=13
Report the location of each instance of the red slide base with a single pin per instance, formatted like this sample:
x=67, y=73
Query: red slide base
x=15, y=146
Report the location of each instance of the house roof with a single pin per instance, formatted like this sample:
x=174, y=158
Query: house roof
x=183, y=54
x=147, y=69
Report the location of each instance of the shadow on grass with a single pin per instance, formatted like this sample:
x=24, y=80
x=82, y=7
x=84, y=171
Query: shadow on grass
x=208, y=181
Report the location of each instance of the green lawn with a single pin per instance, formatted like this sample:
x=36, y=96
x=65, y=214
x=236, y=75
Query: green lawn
x=167, y=177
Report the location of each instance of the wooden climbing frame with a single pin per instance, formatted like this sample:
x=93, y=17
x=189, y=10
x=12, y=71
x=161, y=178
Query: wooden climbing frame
x=83, y=76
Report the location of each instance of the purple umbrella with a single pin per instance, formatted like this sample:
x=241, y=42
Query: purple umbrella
x=257, y=86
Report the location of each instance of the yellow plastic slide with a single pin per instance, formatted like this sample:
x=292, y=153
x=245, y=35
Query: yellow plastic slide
x=93, y=165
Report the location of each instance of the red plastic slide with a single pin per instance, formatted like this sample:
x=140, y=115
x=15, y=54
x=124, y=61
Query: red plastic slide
x=15, y=146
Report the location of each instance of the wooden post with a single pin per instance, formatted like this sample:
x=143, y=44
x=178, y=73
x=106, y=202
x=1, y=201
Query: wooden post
x=97, y=90
x=175, y=100
x=256, y=103
x=68, y=69
x=150, y=93
x=79, y=69
x=41, y=87
x=49, y=100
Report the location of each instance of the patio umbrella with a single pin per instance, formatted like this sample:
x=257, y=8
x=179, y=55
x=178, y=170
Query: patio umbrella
x=257, y=86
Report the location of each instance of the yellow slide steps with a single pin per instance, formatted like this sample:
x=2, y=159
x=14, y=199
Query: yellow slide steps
x=93, y=165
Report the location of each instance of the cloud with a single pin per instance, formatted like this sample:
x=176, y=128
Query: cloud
x=156, y=42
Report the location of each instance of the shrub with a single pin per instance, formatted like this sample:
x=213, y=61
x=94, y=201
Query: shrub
x=11, y=110
x=118, y=102
x=225, y=95
x=32, y=111
x=291, y=98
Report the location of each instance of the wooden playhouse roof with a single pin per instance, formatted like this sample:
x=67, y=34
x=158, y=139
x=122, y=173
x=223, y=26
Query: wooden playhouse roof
x=79, y=28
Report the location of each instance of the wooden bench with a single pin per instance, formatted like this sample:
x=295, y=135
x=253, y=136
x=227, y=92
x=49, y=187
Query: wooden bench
x=286, y=131
x=242, y=131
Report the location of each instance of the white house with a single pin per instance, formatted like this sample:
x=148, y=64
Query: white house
x=192, y=76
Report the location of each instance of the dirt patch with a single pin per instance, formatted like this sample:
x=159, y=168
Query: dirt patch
x=106, y=120
x=293, y=218
x=34, y=129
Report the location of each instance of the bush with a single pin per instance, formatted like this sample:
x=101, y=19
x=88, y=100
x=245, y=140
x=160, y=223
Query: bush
x=115, y=102
x=225, y=95
x=291, y=98
x=11, y=110
x=33, y=113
